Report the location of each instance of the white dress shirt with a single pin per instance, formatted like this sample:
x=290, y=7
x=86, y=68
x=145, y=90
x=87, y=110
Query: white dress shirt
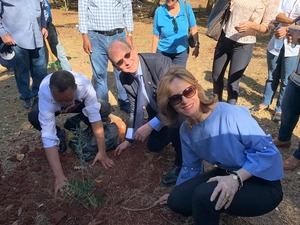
x=291, y=8
x=48, y=107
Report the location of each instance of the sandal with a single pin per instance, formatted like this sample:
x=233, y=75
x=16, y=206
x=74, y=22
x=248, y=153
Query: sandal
x=291, y=163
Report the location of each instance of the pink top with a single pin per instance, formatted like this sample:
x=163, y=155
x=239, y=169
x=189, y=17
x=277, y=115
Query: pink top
x=258, y=11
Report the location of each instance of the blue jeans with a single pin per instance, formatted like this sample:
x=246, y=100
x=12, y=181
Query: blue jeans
x=29, y=62
x=177, y=58
x=290, y=114
x=279, y=69
x=99, y=61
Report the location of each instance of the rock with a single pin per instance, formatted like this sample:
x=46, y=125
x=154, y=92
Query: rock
x=20, y=156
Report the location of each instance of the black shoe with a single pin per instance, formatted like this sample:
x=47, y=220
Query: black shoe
x=124, y=105
x=61, y=134
x=170, y=178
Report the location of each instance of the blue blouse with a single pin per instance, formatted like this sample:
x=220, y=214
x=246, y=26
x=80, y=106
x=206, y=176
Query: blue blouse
x=163, y=26
x=231, y=139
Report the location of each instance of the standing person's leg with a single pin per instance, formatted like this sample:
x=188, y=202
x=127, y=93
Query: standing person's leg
x=22, y=76
x=290, y=113
x=122, y=95
x=99, y=62
x=273, y=78
x=222, y=57
x=240, y=59
x=181, y=58
x=288, y=66
x=38, y=69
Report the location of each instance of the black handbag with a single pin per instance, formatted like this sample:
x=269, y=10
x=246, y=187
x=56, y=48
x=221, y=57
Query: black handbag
x=217, y=18
x=193, y=41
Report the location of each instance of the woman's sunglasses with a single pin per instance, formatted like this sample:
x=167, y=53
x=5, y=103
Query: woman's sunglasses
x=189, y=92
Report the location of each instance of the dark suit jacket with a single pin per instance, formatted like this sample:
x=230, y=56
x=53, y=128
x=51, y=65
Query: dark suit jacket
x=154, y=66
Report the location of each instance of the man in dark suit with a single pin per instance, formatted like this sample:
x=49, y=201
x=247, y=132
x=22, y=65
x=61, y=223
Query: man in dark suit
x=140, y=75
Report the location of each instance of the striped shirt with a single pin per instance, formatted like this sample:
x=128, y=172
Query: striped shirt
x=258, y=11
x=105, y=15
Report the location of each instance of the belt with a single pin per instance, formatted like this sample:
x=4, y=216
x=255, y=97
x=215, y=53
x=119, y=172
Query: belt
x=111, y=32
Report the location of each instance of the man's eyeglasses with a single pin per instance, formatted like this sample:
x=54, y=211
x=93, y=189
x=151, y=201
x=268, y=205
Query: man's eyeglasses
x=121, y=61
x=175, y=25
x=189, y=92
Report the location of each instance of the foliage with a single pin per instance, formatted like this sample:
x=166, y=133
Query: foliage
x=82, y=191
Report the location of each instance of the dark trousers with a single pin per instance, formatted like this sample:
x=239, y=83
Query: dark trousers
x=71, y=123
x=192, y=198
x=239, y=56
x=290, y=114
x=159, y=139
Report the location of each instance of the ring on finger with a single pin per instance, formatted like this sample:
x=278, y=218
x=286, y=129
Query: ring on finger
x=227, y=197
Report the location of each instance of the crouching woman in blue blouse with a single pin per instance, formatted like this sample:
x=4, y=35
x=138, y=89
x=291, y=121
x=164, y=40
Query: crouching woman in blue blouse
x=246, y=179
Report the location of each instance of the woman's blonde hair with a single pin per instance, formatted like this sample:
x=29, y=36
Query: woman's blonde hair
x=167, y=113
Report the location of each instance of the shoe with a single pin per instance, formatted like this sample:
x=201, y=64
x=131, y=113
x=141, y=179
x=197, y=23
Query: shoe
x=281, y=144
x=27, y=103
x=124, y=105
x=291, y=163
x=277, y=117
x=170, y=178
x=61, y=134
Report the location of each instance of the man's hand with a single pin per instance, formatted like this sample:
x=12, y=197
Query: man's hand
x=245, y=26
x=44, y=32
x=122, y=147
x=60, y=182
x=163, y=199
x=104, y=159
x=129, y=40
x=225, y=189
x=87, y=46
x=143, y=132
x=280, y=32
x=8, y=40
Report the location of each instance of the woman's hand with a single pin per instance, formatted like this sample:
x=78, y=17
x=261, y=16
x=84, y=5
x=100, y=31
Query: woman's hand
x=225, y=190
x=245, y=26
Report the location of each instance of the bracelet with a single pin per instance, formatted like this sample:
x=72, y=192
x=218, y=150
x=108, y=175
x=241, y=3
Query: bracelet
x=236, y=176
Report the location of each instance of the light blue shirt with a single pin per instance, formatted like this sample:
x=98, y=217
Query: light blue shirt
x=169, y=40
x=104, y=15
x=231, y=139
x=23, y=20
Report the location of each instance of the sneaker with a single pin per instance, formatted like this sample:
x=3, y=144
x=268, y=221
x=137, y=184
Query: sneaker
x=170, y=178
x=281, y=144
x=291, y=163
x=27, y=103
x=124, y=105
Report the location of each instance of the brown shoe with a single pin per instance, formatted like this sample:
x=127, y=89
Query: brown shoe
x=291, y=163
x=282, y=144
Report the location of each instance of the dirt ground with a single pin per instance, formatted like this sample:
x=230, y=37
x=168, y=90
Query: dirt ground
x=26, y=187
